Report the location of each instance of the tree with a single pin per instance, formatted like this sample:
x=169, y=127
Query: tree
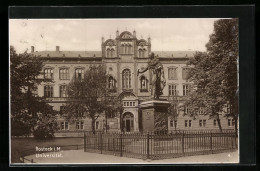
x=214, y=73
x=113, y=108
x=173, y=110
x=26, y=107
x=89, y=96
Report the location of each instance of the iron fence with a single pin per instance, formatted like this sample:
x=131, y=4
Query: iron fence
x=159, y=145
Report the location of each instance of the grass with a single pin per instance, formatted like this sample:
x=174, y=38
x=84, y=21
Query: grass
x=27, y=146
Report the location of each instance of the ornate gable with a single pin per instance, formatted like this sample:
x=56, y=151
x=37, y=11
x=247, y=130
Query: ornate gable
x=126, y=35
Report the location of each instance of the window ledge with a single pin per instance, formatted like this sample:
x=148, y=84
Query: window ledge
x=143, y=90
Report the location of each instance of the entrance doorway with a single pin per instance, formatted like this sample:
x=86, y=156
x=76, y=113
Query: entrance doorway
x=128, y=122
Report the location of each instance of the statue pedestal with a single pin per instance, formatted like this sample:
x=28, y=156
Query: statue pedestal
x=154, y=115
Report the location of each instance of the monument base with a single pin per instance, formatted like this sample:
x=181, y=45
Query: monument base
x=154, y=115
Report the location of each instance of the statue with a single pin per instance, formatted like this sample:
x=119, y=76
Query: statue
x=157, y=79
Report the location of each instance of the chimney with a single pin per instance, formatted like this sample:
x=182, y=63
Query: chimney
x=102, y=39
x=117, y=33
x=134, y=33
x=32, y=49
x=57, y=48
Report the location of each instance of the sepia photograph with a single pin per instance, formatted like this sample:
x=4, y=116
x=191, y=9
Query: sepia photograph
x=124, y=91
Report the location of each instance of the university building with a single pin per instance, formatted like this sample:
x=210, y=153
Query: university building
x=123, y=56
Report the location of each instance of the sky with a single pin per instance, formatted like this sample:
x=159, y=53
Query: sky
x=85, y=34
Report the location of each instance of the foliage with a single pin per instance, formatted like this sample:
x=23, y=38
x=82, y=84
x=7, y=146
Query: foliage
x=25, y=104
x=46, y=126
x=90, y=96
x=173, y=110
x=214, y=73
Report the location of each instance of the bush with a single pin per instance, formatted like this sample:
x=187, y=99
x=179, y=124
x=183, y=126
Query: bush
x=45, y=127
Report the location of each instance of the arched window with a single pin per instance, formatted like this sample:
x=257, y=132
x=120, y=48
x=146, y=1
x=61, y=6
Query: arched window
x=126, y=49
x=111, y=82
x=144, y=50
x=129, y=49
x=126, y=79
x=112, y=53
x=143, y=83
x=108, y=53
x=140, y=53
x=122, y=50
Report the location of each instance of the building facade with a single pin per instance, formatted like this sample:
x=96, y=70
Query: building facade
x=123, y=56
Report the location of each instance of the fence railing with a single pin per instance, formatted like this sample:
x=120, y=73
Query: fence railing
x=161, y=145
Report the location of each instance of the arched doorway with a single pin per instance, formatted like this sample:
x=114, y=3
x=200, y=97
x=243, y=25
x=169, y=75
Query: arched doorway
x=128, y=122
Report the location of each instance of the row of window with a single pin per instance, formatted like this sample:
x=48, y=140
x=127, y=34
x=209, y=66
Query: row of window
x=79, y=125
x=172, y=73
x=65, y=125
x=129, y=104
x=173, y=123
x=63, y=73
x=126, y=49
x=202, y=123
x=173, y=89
x=48, y=89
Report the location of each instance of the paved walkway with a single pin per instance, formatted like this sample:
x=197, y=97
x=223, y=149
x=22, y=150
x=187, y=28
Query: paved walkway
x=81, y=157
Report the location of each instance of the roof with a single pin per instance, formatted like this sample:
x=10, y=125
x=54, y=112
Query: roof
x=65, y=54
x=174, y=54
x=69, y=54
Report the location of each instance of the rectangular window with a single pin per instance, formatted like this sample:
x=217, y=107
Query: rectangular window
x=80, y=125
x=186, y=89
x=186, y=123
x=63, y=91
x=189, y=123
x=204, y=123
x=172, y=90
x=175, y=123
x=64, y=74
x=229, y=122
x=97, y=125
x=172, y=73
x=64, y=125
x=186, y=109
x=171, y=123
x=200, y=123
x=228, y=108
x=215, y=122
x=48, y=91
x=233, y=122
x=79, y=73
x=48, y=73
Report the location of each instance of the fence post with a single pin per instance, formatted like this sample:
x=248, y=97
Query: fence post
x=32, y=161
x=121, y=145
x=101, y=143
x=23, y=158
x=211, y=143
x=113, y=144
x=182, y=142
x=84, y=141
x=148, y=146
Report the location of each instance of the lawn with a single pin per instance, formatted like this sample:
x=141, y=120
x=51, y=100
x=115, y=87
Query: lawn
x=27, y=146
